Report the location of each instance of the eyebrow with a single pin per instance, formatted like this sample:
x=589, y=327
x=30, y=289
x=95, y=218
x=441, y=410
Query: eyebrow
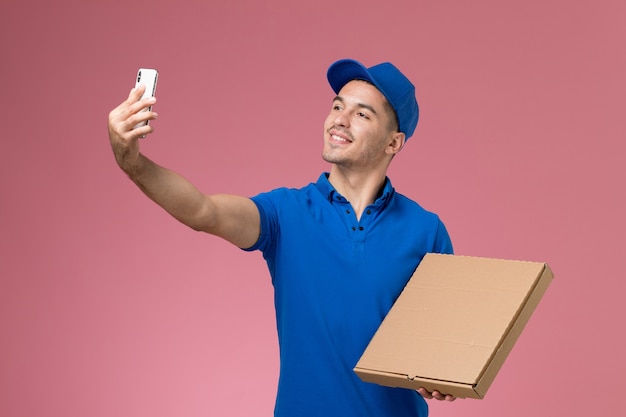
x=362, y=105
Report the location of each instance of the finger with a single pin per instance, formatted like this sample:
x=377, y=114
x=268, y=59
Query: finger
x=143, y=116
x=437, y=395
x=142, y=132
x=136, y=93
x=144, y=129
x=135, y=103
x=125, y=131
x=441, y=397
x=126, y=116
x=141, y=104
x=130, y=106
x=424, y=393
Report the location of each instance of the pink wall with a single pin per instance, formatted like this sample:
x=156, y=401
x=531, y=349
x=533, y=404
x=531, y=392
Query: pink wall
x=108, y=307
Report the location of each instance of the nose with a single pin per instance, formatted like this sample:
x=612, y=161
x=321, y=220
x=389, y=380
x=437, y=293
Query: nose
x=342, y=119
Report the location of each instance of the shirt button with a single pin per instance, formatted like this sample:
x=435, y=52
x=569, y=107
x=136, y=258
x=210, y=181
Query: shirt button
x=360, y=227
x=347, y=211
x=368, y=211
x=353, y=228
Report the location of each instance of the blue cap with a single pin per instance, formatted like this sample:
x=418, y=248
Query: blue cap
x=396, y=88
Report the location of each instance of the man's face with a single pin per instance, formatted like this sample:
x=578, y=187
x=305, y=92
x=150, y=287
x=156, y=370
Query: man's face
x=359, y=128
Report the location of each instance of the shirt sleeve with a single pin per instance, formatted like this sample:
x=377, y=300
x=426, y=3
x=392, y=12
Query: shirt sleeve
x=443, y=243
x=269, y=224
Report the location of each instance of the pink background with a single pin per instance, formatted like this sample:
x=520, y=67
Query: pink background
x=109, y=307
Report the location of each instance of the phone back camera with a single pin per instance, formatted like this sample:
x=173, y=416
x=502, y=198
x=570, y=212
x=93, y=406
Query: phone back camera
x=139, y=76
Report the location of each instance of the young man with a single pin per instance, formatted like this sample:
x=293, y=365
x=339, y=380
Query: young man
x=339, y=250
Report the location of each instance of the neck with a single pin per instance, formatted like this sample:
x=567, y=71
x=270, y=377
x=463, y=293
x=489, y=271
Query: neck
x=360, y=189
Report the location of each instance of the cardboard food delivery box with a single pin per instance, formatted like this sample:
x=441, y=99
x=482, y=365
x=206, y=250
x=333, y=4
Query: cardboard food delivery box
x=454, y=324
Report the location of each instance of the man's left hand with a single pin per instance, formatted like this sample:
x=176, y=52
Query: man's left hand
x=435, y=394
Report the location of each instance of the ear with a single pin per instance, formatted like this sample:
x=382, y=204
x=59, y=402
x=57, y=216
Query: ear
x=396, y=143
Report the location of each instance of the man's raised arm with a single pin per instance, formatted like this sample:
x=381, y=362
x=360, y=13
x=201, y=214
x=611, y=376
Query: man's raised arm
x=231, y=217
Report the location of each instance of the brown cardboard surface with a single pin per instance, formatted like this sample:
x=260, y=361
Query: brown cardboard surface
x=454, y=324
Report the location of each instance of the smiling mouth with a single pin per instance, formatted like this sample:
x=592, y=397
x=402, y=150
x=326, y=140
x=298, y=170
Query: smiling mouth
x=339, y=138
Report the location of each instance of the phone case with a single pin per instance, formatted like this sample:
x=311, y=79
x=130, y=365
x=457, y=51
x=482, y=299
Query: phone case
x=148, y=77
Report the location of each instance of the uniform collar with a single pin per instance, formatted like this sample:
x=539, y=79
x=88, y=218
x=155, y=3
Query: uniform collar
x=328, y=191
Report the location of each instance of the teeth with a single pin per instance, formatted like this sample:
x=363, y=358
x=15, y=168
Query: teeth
x=339, y=138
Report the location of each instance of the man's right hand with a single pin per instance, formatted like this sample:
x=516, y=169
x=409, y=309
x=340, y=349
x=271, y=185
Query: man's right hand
x=122, y=134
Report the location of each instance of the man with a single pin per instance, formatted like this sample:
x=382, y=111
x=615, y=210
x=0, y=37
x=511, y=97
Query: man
x=339, y=250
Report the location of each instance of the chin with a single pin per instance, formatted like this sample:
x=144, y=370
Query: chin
x=327, y=158
x=334, y=159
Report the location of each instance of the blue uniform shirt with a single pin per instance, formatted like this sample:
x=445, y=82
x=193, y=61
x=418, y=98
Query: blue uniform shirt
x=335, y=278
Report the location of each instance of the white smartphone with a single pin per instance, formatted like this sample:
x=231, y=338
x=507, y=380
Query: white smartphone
x=148, y=77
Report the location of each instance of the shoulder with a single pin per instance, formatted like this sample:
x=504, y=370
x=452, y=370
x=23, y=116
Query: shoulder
x=426, y=221
x=286, y=200
x=284, y=193
x=412, y=207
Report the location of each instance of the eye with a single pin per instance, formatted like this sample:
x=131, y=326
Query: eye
x=363, y=115
x=336, y=107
